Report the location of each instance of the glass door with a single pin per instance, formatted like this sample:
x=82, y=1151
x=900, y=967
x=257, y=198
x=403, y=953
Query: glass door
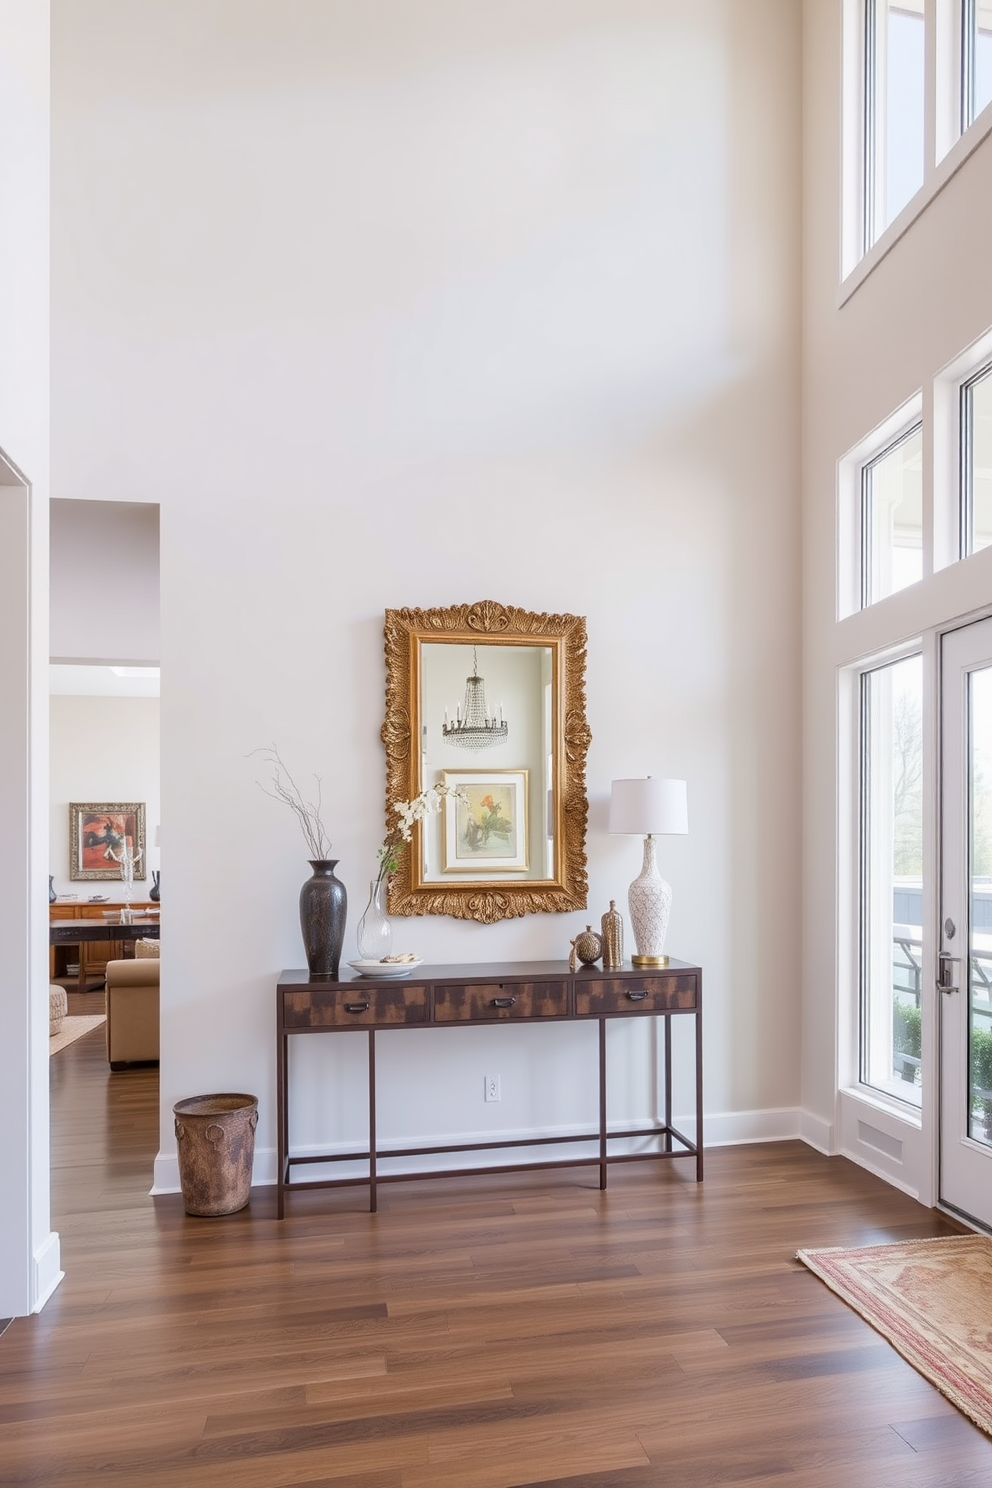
x=964, y=971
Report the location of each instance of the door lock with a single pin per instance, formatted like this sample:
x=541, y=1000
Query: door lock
x=944, y=960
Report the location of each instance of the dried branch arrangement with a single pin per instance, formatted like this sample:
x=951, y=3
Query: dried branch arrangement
x=284, y=788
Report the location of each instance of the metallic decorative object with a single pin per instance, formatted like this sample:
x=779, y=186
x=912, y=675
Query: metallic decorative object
x=588, y=946
x=612, y=938
x=653, y=808
x=474, y=726
x=412, y=636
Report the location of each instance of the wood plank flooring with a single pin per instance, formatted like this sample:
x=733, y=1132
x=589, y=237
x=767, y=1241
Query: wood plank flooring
x=476, y=1333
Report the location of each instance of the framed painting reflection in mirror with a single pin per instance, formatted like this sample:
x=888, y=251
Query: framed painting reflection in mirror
x=485, y=826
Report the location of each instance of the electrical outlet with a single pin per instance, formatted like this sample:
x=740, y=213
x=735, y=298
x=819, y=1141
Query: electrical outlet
x=492, y=1087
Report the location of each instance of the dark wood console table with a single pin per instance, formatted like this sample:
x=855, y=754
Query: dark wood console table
x=479, y=993
x=114, y=932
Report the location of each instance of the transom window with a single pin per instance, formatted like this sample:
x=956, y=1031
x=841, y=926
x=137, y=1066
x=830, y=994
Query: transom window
x=976, y=68
x=892, y=517
x=976, y=462
x=894, y=87
x=917, y=91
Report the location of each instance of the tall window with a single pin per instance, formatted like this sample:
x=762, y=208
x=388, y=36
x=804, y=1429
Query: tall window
x=976, y=71
x=976, y=462
x=894, y=84
x=892, y=518
x=891, y=887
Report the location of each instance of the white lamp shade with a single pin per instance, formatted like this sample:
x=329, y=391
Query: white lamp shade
x=649, y=807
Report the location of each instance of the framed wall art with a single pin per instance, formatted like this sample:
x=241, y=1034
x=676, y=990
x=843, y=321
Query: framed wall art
x=97, y=831
x=486, y=826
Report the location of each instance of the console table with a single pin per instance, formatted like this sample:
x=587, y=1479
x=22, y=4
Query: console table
x=101, y=934
x=486, y=993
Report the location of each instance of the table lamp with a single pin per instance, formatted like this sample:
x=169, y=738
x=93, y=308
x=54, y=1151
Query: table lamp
x=650, y=808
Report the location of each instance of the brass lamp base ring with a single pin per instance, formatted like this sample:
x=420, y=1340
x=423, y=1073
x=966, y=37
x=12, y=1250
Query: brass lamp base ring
x=649, y=960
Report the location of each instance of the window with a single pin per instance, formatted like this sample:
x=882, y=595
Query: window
x=976, y=68
x=893, y=133
x=891, y=877
x=892, y=518
x=976, y=462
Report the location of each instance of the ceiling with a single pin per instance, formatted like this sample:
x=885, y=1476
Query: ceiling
x=102, y=681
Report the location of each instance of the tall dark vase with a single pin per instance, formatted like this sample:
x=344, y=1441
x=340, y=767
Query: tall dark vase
x=155, y=892
x=52, y=896
x=323, y=911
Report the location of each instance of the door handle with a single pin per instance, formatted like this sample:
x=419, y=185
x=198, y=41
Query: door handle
x=944, y=960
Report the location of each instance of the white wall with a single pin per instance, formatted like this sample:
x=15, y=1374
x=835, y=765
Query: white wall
x=103, y=749
x=402, y=304
x=29, y=1250
x=104, y=582
x=924, y=302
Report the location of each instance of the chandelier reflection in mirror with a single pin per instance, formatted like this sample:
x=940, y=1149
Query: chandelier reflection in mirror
x=474, y=727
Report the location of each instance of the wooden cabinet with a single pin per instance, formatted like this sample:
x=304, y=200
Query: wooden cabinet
x=90, y=956
x=458, y=996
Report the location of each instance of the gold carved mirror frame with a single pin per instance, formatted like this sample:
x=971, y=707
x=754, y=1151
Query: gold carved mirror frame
x=558, y=642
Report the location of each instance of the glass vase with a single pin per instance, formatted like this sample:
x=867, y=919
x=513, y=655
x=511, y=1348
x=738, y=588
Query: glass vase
x=375, y=932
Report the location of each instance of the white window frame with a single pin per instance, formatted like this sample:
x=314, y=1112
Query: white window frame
x=948, y=140
x=951, y=478
x=866, y=1014
x=852, y=558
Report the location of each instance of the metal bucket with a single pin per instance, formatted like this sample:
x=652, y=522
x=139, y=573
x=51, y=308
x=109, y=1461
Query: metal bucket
x=216, y=1138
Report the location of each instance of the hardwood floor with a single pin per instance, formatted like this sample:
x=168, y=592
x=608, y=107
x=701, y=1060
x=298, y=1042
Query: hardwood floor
x=476, y=1333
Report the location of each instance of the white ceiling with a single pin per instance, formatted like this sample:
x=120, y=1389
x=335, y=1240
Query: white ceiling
x=102, y=681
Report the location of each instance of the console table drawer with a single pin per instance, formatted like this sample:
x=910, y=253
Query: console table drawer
x=491, y=1000
x=653, y=992
x=357, y=1006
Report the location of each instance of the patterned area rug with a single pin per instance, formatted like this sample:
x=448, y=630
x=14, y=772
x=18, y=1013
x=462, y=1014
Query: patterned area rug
x=932, y=1299
x=74, y=1028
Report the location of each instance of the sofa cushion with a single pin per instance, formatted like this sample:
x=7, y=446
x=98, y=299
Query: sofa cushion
x=146, y=949
x=133, y=973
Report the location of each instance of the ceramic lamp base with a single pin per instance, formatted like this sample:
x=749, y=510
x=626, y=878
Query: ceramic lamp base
x=650, y=901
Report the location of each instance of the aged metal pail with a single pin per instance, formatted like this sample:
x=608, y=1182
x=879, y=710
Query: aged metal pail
x=216, y=1138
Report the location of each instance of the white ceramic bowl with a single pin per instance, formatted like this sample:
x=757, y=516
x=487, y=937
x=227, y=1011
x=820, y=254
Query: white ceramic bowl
x=385, y=968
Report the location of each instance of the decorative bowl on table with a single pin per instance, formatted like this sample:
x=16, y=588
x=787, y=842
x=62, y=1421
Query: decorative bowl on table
x=386, y=968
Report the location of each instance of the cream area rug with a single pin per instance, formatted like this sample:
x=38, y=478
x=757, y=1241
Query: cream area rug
x=74, y=1028
x=932, y=1299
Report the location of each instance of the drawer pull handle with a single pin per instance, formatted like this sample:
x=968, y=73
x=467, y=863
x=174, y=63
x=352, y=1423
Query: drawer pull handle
x=503, y=1001
x=356, y=1007
x=637, y=996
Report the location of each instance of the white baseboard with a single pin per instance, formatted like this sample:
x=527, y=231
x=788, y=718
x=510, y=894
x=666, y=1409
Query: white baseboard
x=817, y=1133
x=47, y=1270
x=734, y=1128
x=881, y=1171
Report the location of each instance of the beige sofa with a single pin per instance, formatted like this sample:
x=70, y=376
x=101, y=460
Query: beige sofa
x=132, y=1012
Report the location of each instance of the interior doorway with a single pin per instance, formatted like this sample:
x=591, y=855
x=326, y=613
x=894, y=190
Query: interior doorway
x=104, y=757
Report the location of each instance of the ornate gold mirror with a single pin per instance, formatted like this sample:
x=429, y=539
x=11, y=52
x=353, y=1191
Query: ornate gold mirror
x=488, y=700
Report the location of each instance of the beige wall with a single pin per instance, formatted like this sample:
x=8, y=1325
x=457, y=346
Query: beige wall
x=396, y=305
x=104, y=599
x=103, y=749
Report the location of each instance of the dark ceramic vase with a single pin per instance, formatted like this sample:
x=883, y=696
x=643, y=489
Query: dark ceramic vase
x=52, y=896
x=323, y=911
x=155, y=892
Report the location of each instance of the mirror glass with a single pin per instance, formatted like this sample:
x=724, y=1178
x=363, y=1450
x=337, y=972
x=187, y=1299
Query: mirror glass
x=503, y=763
x=489, y=701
